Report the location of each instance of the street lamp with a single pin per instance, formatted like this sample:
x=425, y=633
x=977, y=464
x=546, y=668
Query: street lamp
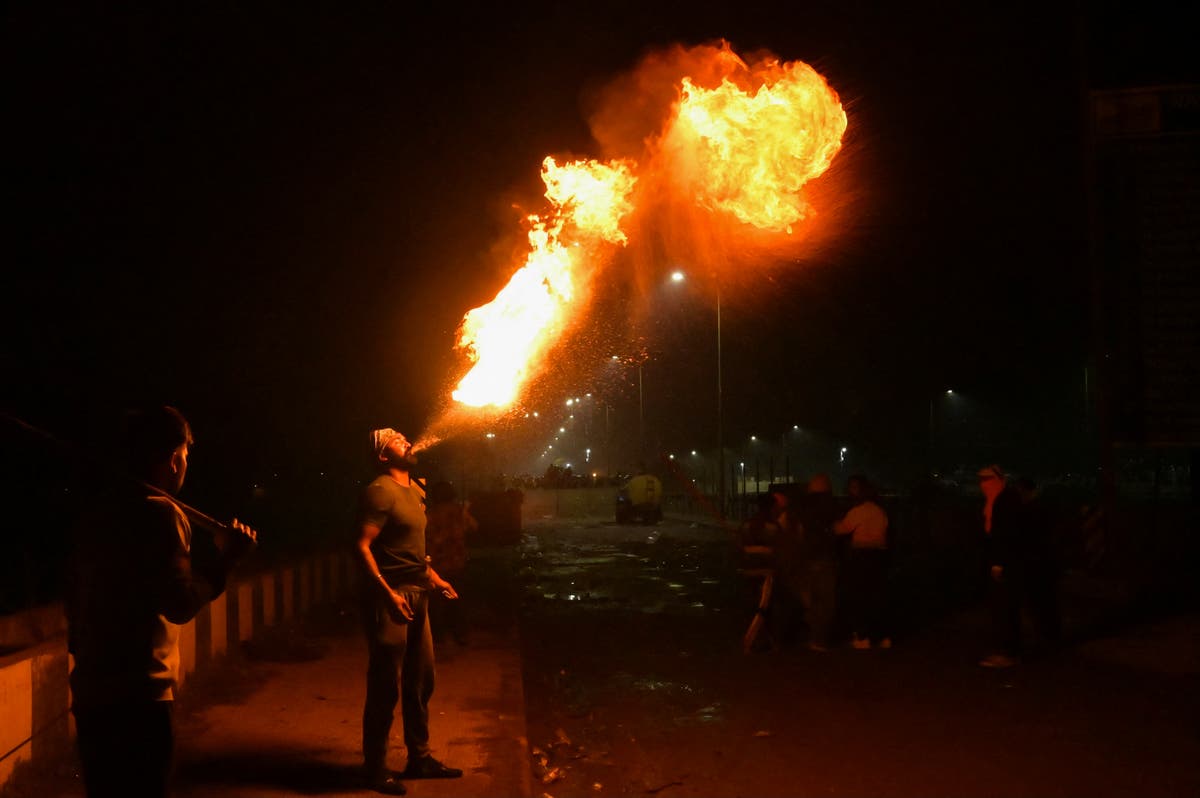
x=679, y=276
x=932, y=439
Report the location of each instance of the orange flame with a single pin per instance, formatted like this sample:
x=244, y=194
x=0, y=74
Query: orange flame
x=741, y=141
x=749, y=152
x=507, y=336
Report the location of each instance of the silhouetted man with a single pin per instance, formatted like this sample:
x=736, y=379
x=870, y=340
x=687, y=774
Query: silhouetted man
x=398, y=578
x=131, y=584
x=816, y=570
x=1002, y=526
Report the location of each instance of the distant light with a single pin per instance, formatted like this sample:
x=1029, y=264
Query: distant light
x=535, y=415
x=562, y=429
x=589, y=396
x=753, y=437
x=677, y=276
x=693, y=452
x=795, y=426
x=491, y=434
x=570, y=402
x=949, y=392
x=672, y=457
x=616, y=357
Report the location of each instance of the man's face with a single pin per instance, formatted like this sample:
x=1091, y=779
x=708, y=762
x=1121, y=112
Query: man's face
x=399, y=454
x=179, y=464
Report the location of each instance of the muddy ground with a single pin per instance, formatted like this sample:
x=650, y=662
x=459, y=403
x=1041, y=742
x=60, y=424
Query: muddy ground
x=636, y=684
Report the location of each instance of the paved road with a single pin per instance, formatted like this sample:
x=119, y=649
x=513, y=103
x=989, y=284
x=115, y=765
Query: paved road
x=284, y=720
x=636, y=684
x=625, y=676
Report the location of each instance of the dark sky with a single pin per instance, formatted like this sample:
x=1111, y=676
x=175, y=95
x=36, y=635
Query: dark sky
x=275, y=216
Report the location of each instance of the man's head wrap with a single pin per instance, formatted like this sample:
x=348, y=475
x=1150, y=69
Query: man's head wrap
x=380, y=439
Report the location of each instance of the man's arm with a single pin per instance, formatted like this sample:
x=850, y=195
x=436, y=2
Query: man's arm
x=397, y=603
x=846, y=525
x=437, y=583
x=182, y=592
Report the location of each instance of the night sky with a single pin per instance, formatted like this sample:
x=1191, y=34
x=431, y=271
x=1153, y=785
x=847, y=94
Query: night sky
x=275, y=216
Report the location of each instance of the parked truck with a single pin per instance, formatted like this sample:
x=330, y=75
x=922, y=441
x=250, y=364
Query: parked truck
x=640, y=499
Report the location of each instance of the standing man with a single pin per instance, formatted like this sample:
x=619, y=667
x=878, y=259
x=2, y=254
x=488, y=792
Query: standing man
x=131, y=583
x=397, y=580
x=1022, y=565
x=866, y=524
x=816, y=574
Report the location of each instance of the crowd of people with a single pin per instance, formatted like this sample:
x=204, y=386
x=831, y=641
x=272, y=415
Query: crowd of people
x=830, y=564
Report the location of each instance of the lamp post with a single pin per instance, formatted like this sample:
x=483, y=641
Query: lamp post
x=720, y=419
x=678, y=276
x=932, y=428
x=641, y=419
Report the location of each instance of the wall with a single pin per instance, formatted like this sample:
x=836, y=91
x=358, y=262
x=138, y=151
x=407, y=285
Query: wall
x=542, y=503
x=35, y=724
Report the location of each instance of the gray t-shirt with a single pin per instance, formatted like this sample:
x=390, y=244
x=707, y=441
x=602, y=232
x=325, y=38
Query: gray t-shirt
x=399, y=512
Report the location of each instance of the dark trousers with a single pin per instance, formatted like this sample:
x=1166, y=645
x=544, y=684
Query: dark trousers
x=1034, y=589
x=127, y=750
x=866, y=593
x=820, y=594
x=1004, y=600
x=399, y=670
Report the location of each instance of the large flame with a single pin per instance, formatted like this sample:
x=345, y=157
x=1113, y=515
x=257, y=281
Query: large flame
x=739, y=141
x=749, y=151
x=507, y=336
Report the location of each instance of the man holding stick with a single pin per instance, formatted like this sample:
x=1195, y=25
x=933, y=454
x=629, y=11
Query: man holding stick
x=397, y=579
x=132, y=582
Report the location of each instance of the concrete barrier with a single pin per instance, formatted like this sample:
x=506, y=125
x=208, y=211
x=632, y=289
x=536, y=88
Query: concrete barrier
x=35, y=722
x=541, y=503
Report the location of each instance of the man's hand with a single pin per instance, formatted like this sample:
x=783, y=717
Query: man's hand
x=237, y=540
x=399, y=608
x=443, y=587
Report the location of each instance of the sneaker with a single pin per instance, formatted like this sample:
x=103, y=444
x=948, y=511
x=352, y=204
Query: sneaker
x=385, y=783
x=885, y=642
x=429, y=768
x=997, y=661
x=861, y=643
